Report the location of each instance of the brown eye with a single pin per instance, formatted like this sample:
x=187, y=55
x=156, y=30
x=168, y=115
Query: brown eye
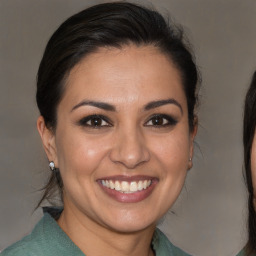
x=158, y=120
x=95, y=121
x=161, y=121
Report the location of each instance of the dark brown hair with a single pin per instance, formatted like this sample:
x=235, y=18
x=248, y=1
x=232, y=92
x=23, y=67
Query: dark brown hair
x=248, y=135
x=108, y=25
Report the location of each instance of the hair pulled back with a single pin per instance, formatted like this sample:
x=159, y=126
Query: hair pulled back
x=248, y=136
x=108, y=25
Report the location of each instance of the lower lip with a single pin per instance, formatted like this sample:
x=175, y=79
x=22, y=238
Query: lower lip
x=129, y=197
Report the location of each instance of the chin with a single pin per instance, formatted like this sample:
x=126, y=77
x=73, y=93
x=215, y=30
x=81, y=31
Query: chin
x=131, y=227
x=130, y=222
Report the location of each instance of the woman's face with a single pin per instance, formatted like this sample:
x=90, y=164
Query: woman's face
x=122, y=141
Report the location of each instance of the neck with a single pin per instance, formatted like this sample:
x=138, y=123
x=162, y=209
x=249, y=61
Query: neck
x=94, y=239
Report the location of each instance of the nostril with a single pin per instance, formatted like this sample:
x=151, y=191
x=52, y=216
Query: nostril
x=130, y=153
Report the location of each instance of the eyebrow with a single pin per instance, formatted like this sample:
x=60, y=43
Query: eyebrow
x=159, y=103
x=101, y=105
x=109, y=107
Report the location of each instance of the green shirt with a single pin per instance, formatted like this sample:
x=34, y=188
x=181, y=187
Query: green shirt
x=243, y=253
x=48, y=239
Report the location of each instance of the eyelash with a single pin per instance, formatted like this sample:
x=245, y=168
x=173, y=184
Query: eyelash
x=165, y=121
x=84, y=121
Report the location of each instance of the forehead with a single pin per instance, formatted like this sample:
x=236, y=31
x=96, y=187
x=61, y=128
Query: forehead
x=131, y=72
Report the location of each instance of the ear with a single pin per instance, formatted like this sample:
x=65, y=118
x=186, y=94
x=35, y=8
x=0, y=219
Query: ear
x=192, y=138
x=48, y=140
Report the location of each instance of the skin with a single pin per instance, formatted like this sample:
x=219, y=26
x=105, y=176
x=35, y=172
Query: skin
x=128, y=144
x=253, y=165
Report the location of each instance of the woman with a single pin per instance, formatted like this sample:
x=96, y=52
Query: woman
x=116, y=91
x=249, y=140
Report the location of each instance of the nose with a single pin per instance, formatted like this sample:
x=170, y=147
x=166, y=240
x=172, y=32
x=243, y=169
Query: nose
x=130, y=149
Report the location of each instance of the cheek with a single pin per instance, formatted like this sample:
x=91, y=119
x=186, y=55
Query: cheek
x=253, y=164
x=172, y=158
x=173, y=152
x=253, y=169
x=78, y=154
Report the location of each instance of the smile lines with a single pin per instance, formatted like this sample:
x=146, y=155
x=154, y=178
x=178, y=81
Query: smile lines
x=126, y=187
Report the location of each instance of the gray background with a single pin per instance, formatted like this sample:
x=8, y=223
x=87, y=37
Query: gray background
x=209, y=216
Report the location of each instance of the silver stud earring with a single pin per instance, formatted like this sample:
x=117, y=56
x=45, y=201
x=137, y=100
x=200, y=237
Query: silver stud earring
x=190, y=159
x=52, y=166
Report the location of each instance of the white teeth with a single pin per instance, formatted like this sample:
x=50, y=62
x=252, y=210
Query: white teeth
x=133, y=186
x=145, y=183
x=125, y=186
x=140, y=185
x=117, y=185
x=111, y=184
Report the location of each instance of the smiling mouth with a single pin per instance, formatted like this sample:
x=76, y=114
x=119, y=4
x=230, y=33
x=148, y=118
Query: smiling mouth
x=125, y=186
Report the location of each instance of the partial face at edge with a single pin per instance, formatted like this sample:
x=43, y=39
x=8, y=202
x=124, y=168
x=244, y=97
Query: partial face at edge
x=122, y=140
x=253, y=164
